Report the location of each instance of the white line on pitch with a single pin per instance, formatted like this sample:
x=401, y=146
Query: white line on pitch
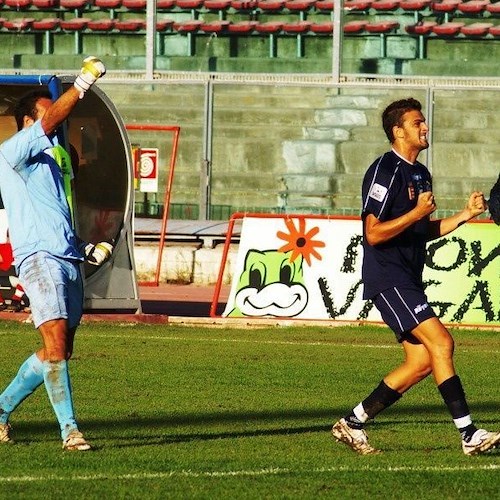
x=270, y=471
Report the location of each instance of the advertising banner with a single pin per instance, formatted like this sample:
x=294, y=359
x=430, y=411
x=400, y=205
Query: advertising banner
x=310, y=268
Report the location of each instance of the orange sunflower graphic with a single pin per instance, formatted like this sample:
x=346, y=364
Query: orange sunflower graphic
x=299, y=241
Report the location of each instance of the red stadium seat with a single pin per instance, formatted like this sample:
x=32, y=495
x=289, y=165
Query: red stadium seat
x=188, y=26
x=134, y=4
x=354, y=26
x=243, y=5
x=18, y=24
x=357, y=5
x=47, y=24
x=322, y=28
x=130, y=25
x=242, y=27
x=269, y=27
x=101, y=24
x=324, y=5
x=189, y=4
x=44, y=4
x=381, y=26
x=108, y=4
x=217, y=5
x=2, y=20
x=298, y=27
x=447, y=6
x=414, y=5
x=75, y=24
x=473, y=6
x=385, y=5
x=163, y=24
x=215, y=27
x=448, y=29
x=476, y=29
x=74, y=4
x=424, y=28
x=299, y=5
x=493, y=8
x=165, y=4
x=18, y=4
x=495, y=31
x=271, y=5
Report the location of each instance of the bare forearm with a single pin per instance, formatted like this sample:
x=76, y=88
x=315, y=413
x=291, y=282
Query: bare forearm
x=380, y=232
x=442, y=227
x=60, y=110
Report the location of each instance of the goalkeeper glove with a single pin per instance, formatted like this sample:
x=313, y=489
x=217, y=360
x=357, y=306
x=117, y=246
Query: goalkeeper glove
x=99, y=253
x=92, y=69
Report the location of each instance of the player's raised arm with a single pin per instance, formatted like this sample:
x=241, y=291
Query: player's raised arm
x=92, y=69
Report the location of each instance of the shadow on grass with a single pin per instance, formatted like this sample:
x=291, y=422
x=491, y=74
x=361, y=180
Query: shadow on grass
x=261, y=423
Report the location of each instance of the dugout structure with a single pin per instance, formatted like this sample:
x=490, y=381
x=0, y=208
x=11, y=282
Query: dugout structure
x=103, y=184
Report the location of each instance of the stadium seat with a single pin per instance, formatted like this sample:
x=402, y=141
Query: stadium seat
x=271, y=5
x=354, y=26
x=423, y=28
x=165, y=5
x=134, y=4
x=414, y=5
x=44, y=4
x=217, y=5
x=493, y=8
x=101, y=25
x=18, y=24
x=75, y=24
x=357, y=5
x=476, y=29
x=449, y=29
x=242, y=27
x=473, y=7
x=130, y=25
x=108, y=4
x=191, y=26
x=382, y=28
x=74, y=4
x=2, y=20
x=385, y=5
x=299, y=5
x=324, y=6
x=17, y=4
x=215, y=27
x=495, y=31
x=445, y=7
x=189, y=4
x=243, y=5
x=163, y=24
x=322, y=28
x=269, y=27
x=297, y=27
x=46, y=24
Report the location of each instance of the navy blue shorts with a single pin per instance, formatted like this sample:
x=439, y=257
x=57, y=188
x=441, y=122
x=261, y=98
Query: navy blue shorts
x=403, y=309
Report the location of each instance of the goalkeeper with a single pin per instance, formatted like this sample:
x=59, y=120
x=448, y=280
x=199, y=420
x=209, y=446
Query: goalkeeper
x=46, y=251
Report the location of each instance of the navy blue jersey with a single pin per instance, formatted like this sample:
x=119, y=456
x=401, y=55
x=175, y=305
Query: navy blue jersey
x=390, y=189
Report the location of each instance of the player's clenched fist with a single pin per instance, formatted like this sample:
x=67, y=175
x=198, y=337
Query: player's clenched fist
x=426, y=203
x=476, y=203
x=92, y=69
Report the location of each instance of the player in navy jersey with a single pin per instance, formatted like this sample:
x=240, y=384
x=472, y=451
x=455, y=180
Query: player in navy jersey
x=397, y=204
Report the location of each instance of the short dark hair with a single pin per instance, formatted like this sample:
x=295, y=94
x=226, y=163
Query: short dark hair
x=393, y=114
x=26, y=106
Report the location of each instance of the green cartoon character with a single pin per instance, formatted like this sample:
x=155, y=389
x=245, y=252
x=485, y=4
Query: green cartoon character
x=270, y=285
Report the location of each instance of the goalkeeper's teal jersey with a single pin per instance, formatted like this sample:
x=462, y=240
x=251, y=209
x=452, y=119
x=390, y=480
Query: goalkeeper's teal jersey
x=32, y=189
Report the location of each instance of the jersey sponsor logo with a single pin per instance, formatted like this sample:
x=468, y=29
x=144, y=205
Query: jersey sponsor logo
x=378, y=192
x=421, y=307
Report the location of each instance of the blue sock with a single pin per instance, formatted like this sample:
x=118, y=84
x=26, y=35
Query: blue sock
x=28, y=378
x=58, y=385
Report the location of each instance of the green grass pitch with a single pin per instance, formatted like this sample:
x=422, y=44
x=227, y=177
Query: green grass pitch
x=200, y=412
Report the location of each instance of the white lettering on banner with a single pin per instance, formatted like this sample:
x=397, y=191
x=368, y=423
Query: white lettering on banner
x=378, y=192
x=310, y=268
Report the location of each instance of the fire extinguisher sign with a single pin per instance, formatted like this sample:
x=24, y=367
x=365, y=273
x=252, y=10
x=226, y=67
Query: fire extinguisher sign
x=148, y=171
